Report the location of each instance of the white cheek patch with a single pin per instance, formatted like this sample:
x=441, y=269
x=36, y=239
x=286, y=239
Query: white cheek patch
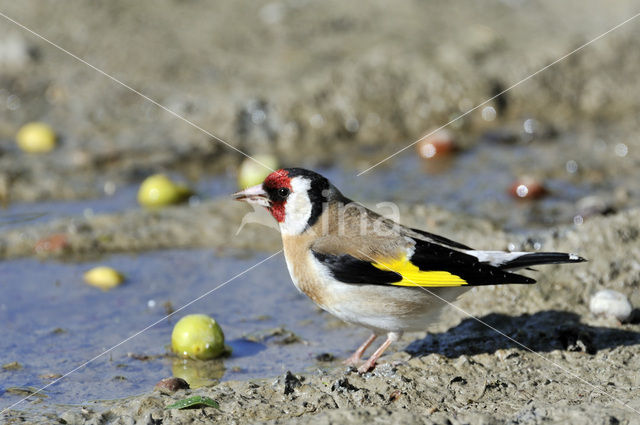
x=297, y=210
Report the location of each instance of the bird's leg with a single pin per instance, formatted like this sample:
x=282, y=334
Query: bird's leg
x=355, y=357
x=370, y=364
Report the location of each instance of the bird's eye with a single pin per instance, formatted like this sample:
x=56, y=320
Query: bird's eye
x=283, y=192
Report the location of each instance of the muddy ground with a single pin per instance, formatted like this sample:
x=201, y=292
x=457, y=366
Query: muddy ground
x=581, y=370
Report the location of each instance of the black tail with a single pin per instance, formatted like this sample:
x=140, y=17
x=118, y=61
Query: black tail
x=537, y=258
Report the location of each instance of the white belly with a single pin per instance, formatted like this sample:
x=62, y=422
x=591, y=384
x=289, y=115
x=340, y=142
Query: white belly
x=391, y=309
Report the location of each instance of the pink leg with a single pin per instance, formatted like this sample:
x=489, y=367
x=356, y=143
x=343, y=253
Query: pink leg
x=355, y=357
x=371, y=363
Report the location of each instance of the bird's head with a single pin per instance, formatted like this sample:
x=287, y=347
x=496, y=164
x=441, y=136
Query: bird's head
x=295, y=197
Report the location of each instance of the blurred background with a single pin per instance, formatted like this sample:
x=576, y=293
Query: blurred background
x=333, y=86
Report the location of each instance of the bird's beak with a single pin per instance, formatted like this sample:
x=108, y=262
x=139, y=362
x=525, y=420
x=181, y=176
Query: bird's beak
x=253, y=195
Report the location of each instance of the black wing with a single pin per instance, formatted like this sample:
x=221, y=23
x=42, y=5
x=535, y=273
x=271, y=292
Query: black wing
x=427, y=257
x=348, y=269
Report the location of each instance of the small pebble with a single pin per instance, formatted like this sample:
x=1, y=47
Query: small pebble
x=36, y=137
x=171, y=385
x=610, y=303
x=440, y=143
x=103, y=277
x=527, y=188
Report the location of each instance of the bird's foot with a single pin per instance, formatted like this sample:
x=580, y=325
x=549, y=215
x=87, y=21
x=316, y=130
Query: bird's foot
x=353, y=360
x=367, y=366
x=371, y=363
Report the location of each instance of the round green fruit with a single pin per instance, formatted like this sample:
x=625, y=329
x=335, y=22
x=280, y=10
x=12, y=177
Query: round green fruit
x=36, y=137
x=158, y=190
x=197, y=336
x=252, y=173
x=103, y=277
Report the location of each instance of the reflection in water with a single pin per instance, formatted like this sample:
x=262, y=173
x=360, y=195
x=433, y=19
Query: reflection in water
x=198, y=373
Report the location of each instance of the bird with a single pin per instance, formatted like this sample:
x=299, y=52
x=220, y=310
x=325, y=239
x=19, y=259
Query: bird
x=371, y=271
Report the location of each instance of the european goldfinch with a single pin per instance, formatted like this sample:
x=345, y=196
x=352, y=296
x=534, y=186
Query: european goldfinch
x=371, y=271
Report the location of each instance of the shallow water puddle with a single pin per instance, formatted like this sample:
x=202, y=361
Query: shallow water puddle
x=122, y=198
x=52, y=322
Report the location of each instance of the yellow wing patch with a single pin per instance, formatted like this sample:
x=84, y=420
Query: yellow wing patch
x=413, y=276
